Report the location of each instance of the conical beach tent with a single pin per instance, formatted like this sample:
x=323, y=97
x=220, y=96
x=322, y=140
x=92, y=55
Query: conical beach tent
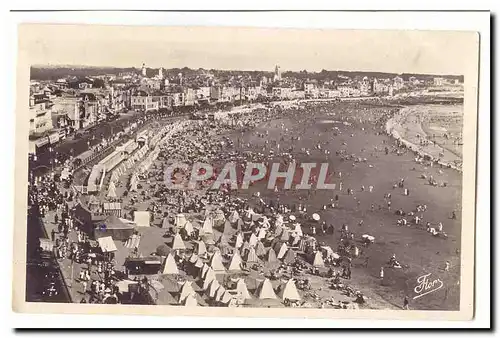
x=208, y=225
x=111, y=190
x=271, y=256
x=227, y=228
x=212, y=289
x=209, y=277
x=186, y=290
x=318, y=260
x=170, y=266
x=242, y=290
x=178, y=243
x=289, y=291
x=265, y=290
x=219, y=293
x=289, y=257
x=253, y=240
x=188, y=227
x=201, y=248
x=251, y=256
x=239, y=241
x=283, y=250
x=285, y=235
x=298, y=229
x=235, y=264
x=234, y=217
x=260, y=250
x=216, y=263
x=190, y=301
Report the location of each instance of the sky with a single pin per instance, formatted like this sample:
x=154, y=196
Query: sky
x=421, y=52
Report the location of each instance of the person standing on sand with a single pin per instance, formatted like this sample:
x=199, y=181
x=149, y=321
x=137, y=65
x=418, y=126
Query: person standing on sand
x=381, y=275
x=406, y=303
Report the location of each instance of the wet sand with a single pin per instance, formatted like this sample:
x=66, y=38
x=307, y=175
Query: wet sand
x=414, y=247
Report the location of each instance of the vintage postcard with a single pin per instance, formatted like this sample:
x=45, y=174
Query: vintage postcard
x=245, y=172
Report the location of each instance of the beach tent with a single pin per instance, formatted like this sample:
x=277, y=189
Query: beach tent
x=170, y=266
x=226, y=297
x=190, y=301
x=239, y=224
x=285, y=235
x=244, y=248
x=193, y=259
x=216, y=263
x=279, y=221
x=239, y=241
x=178, y=243
x=295, y=241
x=222, y=240
x=318, y=260
x=219, y=293
x=180, y=221
x=265, y=290
x=289, y=257
x=234, y=217
x=253, y=240
x=235, y=264
x=278, y=231
x=262, y=233
x=289, y=291
x=112, y=190
x=271, y=256
x=208, y=225
x=142, y=218
x=201, y=248
x=251, y=256
x=212, y=289
x=298, y=229
x=186, y=291
x=204, y=269
x=242, y=290
x=114, y=227
x=282, y=251
x=227, y=227
x=260, y=250
x=209, y=277
x=188, y=227
x=107, y=244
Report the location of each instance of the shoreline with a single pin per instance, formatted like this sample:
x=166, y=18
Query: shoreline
x=393, y=123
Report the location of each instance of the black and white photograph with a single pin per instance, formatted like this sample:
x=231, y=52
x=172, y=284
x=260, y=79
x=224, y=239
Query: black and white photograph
x=224, y=170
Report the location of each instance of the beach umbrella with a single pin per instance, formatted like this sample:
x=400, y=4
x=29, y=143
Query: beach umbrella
x=292, y=218
x=315, y=217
